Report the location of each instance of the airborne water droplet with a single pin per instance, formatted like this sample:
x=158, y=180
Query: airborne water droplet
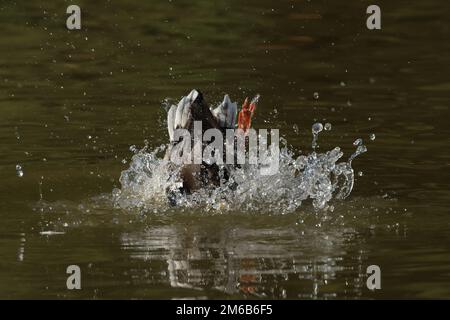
x=317, y=127
x=327, y=126
x=19, y=171
x=134, y=149
x=316, y=95
x=372, y=136
x=358, y=142
x=359, y=150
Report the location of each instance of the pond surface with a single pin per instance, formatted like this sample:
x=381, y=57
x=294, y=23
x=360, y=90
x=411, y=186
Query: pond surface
x=73, y=102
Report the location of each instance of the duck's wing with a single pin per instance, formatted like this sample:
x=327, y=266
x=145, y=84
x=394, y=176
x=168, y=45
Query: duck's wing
x=190, y=108
x=179, y=116
x=171, y=114
x=225, y=113
x=183, y=114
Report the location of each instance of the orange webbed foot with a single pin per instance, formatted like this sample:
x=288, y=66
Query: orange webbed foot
x=246, y=114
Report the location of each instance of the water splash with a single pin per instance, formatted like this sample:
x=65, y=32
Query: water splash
x=359, y=150
x=316, y=177
x=316, y=129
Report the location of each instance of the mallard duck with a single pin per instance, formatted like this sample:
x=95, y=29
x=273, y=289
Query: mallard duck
x=191, y=108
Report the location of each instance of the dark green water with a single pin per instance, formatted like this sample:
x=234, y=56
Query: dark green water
x=72, y=103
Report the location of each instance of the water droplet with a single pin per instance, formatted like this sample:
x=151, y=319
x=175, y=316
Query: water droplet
x=361, y=149
x=317, y=127
x=372, y=136
x=327, y=126
x=133, y=149
x=19, y=171
x=295, y=127
x=316, y=95
x=358, y=142
x=360, y=174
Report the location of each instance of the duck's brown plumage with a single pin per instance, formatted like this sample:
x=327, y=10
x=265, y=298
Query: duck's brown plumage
x=193, y=108
x=195, y=176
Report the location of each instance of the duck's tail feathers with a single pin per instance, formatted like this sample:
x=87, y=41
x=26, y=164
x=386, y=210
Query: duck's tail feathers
x=225, y=113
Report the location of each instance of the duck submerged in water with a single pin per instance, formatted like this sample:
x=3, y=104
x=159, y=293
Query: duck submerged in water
x=194, y=116
x=266, y=178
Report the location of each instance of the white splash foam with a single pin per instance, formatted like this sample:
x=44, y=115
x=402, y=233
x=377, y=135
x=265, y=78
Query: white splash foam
x=317, y=176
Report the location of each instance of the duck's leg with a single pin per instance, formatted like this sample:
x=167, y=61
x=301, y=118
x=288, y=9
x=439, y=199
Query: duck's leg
x=246, y=114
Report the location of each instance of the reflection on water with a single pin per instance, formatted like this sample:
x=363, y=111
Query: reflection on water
x=250, y=262
x=308, y=254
